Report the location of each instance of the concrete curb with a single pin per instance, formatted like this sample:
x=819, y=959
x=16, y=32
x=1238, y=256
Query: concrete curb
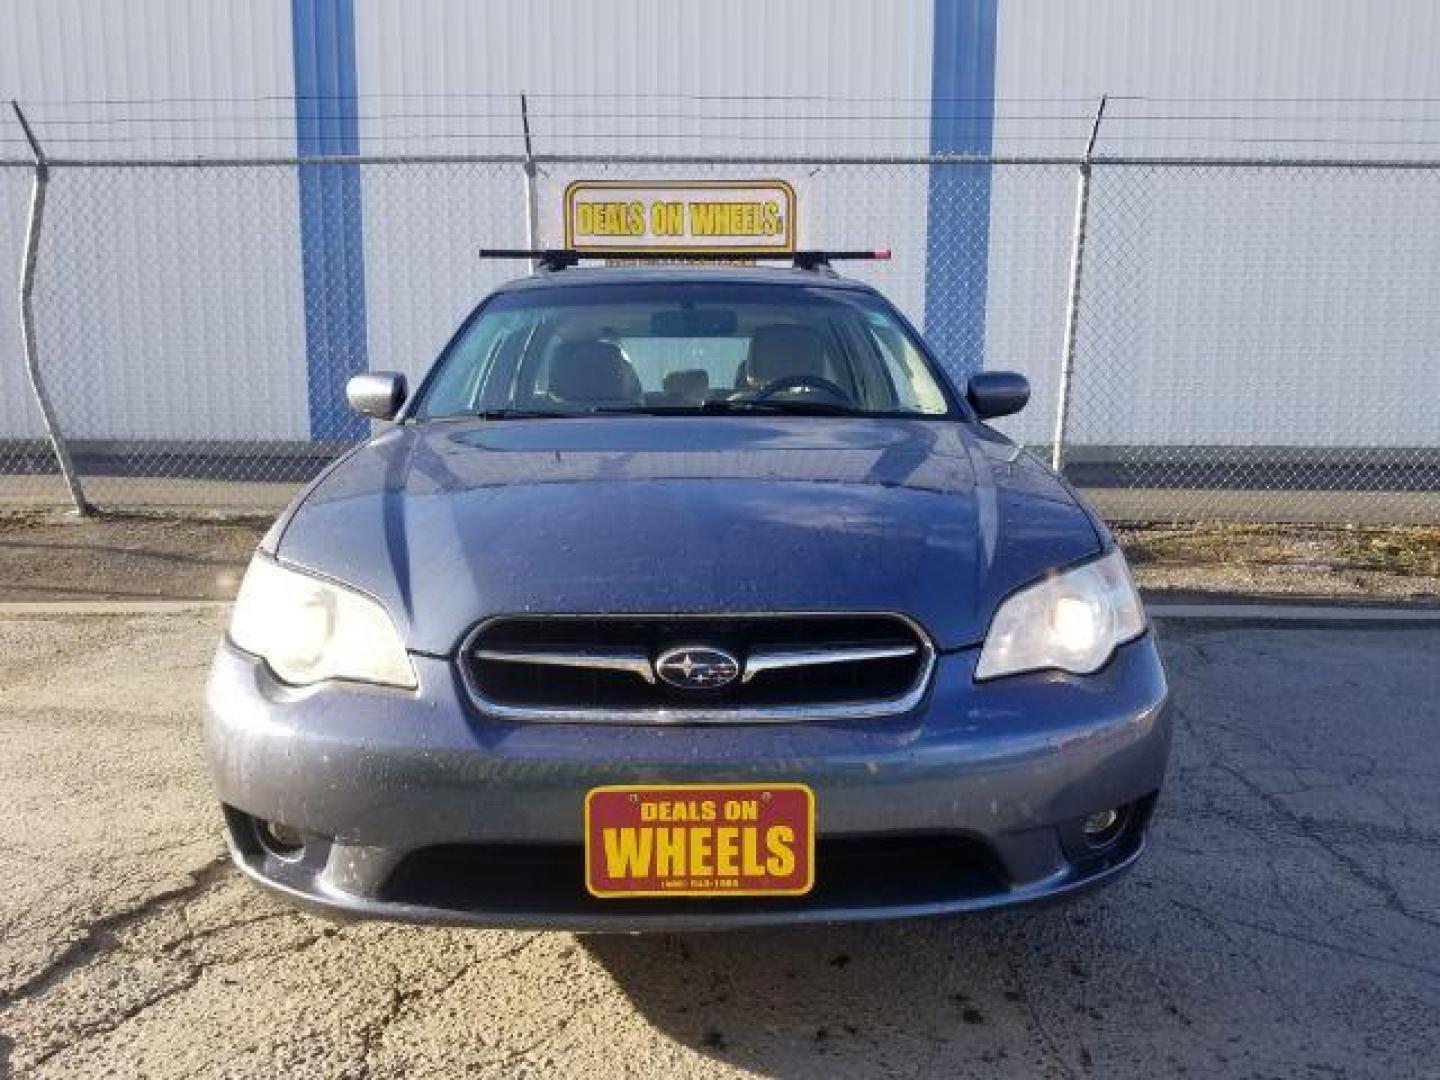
x=110, y=607
x=1295, y=612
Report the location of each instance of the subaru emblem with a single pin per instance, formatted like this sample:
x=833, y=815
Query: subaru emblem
x=697, y=667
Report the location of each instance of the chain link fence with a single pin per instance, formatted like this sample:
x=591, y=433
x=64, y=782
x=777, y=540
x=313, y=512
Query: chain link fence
x=1255, y=343
x=1252, y=340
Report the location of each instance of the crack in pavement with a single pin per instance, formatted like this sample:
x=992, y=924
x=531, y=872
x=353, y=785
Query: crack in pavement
x=103, y=1027
x=104, y=941
x=192, y=936
x=1325, y=834
x=1209, y=914
x=401, y=999
x=1048, y=1042
x=374, y=1031
x=1389, y=896
x=101, y=936
x=520, y=1053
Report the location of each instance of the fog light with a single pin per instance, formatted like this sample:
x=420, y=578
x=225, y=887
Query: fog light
x=282, y=841
x=1102, y=827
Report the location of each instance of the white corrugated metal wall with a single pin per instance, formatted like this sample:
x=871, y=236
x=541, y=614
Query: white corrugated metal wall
x=1247, y=307
x=157, y=77
x=148, y=281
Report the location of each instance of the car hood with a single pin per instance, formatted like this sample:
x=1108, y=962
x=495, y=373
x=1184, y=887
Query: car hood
x=449, y=522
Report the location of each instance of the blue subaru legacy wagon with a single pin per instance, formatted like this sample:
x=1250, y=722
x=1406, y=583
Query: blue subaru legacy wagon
x=685, y=598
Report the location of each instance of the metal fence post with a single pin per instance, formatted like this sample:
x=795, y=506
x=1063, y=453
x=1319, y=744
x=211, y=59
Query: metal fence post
x=532, y=208
x=27, y=317
x=1072, y=300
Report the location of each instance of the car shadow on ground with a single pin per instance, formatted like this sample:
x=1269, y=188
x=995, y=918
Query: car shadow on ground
x=1261, y=934
x=919, y=998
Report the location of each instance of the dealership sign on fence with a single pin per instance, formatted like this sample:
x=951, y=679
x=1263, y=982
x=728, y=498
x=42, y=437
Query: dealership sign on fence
x=743, y=217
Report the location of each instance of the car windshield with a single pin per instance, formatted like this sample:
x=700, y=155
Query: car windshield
x=684, y=347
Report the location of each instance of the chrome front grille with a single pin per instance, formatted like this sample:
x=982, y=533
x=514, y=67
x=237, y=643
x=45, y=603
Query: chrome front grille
x=608, y=668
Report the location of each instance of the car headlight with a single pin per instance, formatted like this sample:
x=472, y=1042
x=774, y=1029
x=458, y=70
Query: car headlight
x=1072, y=621
x=308, y=629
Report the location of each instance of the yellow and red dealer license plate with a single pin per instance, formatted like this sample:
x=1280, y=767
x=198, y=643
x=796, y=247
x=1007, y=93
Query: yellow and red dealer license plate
x=700, y=840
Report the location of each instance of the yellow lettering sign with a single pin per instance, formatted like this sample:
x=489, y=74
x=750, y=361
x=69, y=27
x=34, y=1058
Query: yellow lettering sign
x=743, y=216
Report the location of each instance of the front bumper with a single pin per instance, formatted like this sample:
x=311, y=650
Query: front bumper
x=415, y=807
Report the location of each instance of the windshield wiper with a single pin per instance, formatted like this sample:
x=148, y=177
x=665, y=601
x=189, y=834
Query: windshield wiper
x=737, y=405
x=523, y=414
x=795, y=406
x=799, y=408
x=646, y=410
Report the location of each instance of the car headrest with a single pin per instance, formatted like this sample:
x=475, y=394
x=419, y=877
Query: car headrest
x=593, y=371
x=783, y=349
x=692, y=384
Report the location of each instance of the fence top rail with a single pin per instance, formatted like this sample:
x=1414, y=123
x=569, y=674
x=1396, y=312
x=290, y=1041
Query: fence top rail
x=748, y=160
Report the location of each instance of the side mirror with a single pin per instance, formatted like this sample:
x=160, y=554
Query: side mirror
x=378, y=394
x=997, y=393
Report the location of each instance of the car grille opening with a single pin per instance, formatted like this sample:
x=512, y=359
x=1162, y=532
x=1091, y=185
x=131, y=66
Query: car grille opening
x=895, y=870
x=785, y=666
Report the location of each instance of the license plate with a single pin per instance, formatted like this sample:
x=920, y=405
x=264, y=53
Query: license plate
x=700, y=840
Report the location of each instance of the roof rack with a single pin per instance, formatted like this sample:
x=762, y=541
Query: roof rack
x=552, y=260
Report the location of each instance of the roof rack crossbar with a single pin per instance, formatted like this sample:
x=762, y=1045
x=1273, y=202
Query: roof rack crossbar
x=551, y=260
x=547, y=259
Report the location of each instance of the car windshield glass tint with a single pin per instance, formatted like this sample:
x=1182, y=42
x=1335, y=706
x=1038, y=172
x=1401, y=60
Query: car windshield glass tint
x=684, y=347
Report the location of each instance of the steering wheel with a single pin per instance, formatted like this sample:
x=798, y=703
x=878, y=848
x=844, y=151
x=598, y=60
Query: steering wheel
x=798, y=382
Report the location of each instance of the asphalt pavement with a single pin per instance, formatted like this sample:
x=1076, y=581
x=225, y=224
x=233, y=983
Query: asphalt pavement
x=1285, y=922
